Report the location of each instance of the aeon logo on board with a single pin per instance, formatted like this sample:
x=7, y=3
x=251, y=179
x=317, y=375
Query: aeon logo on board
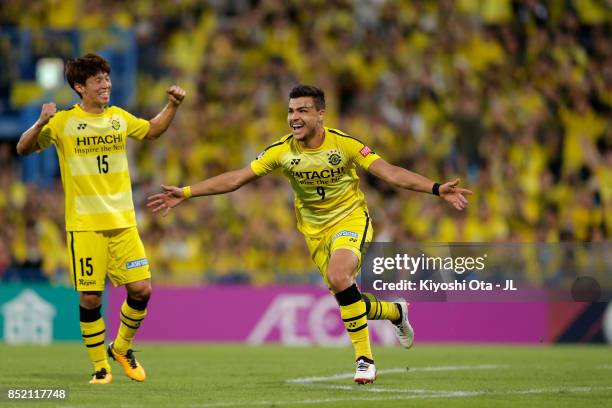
x=304, y=319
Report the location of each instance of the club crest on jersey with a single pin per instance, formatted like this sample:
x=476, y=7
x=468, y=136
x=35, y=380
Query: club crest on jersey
x=115, y=124
x=334, y=157
x=365, y=151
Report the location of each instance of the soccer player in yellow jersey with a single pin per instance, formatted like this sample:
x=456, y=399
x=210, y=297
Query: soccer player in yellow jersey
x=90, y=140
x=320, y=163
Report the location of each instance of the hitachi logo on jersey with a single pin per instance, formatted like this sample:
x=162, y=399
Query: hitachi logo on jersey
x=322, y=174
x=96, y=140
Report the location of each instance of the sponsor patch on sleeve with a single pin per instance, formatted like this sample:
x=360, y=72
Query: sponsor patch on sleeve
x=365, y=151
x=136, y=263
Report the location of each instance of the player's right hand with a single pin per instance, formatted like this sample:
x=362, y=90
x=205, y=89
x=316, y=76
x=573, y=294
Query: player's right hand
x=48, y=111
x=168, y=199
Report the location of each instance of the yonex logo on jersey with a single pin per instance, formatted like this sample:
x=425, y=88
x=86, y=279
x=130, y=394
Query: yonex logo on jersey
x=346, y=234
x=295, y=162
x=81, y=126
x=137, y=263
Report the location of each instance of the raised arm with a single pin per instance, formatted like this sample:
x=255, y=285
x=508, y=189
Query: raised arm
x=28, y=142
x=160, y=123
x=221, y=184
x=402, y=178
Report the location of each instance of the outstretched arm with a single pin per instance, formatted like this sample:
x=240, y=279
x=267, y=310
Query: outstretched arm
x=223, y=183
x=160, y=123
x=402, y=178
x=28, y=142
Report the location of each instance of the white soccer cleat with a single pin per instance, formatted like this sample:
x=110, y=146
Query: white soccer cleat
x=366, y=371
x=403, y=329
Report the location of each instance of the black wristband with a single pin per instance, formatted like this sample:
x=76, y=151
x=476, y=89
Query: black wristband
x=435, y=190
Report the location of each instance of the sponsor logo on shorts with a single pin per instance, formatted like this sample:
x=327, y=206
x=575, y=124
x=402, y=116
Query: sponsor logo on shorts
x=137, y=263
x=86, y=282
x=346, y=234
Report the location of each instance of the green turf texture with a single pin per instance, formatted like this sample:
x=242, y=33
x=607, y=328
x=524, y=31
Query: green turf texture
x=200, y=375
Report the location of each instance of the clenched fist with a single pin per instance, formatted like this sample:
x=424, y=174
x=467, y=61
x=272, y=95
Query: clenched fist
x=176, y=94
x=48, y=111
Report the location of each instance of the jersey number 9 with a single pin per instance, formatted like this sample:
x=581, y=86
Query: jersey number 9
x=321, y=192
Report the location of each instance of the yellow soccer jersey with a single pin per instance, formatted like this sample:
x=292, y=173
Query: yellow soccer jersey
x=324, y=179
x=94, y=167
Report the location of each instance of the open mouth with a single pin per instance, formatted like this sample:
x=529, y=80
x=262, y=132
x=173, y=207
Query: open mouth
x=296, y=126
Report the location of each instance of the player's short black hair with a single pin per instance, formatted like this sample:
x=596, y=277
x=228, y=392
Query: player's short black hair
x=317, y=94
x=79, y=69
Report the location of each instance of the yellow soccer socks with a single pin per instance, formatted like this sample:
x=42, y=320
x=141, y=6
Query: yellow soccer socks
x=133, y=313
x=380, y=309
x=93, y=330
x=354, y=316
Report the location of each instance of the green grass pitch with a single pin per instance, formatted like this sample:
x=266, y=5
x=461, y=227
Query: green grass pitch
x=207, y=376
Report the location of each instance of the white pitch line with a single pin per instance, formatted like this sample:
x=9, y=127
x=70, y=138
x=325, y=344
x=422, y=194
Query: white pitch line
x=310, y=380
x=372, y=389
x=449, y=394
x=434, y=394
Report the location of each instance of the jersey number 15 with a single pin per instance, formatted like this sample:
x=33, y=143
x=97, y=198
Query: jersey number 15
x=103, y=163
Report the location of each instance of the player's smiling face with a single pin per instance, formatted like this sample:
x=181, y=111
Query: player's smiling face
x=303, y=118
x=97, y=89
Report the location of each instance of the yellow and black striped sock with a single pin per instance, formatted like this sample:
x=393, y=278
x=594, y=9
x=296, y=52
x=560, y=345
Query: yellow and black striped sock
x=380, y=309
x=133, y=313
x=93, y=330
x=354, y=316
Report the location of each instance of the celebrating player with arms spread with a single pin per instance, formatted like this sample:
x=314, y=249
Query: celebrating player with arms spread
x=320, y=163
x=90, y=139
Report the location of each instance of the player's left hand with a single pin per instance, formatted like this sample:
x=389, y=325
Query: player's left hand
x=170, y=198
x=176, y=94
x=454, y=195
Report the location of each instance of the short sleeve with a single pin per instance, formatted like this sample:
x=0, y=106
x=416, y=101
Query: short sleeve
x=137, y=128
x=267, y=161
x=47, y=136
x=359, y=152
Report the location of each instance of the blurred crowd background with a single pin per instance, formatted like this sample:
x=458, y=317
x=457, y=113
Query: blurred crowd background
x=513, y=97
